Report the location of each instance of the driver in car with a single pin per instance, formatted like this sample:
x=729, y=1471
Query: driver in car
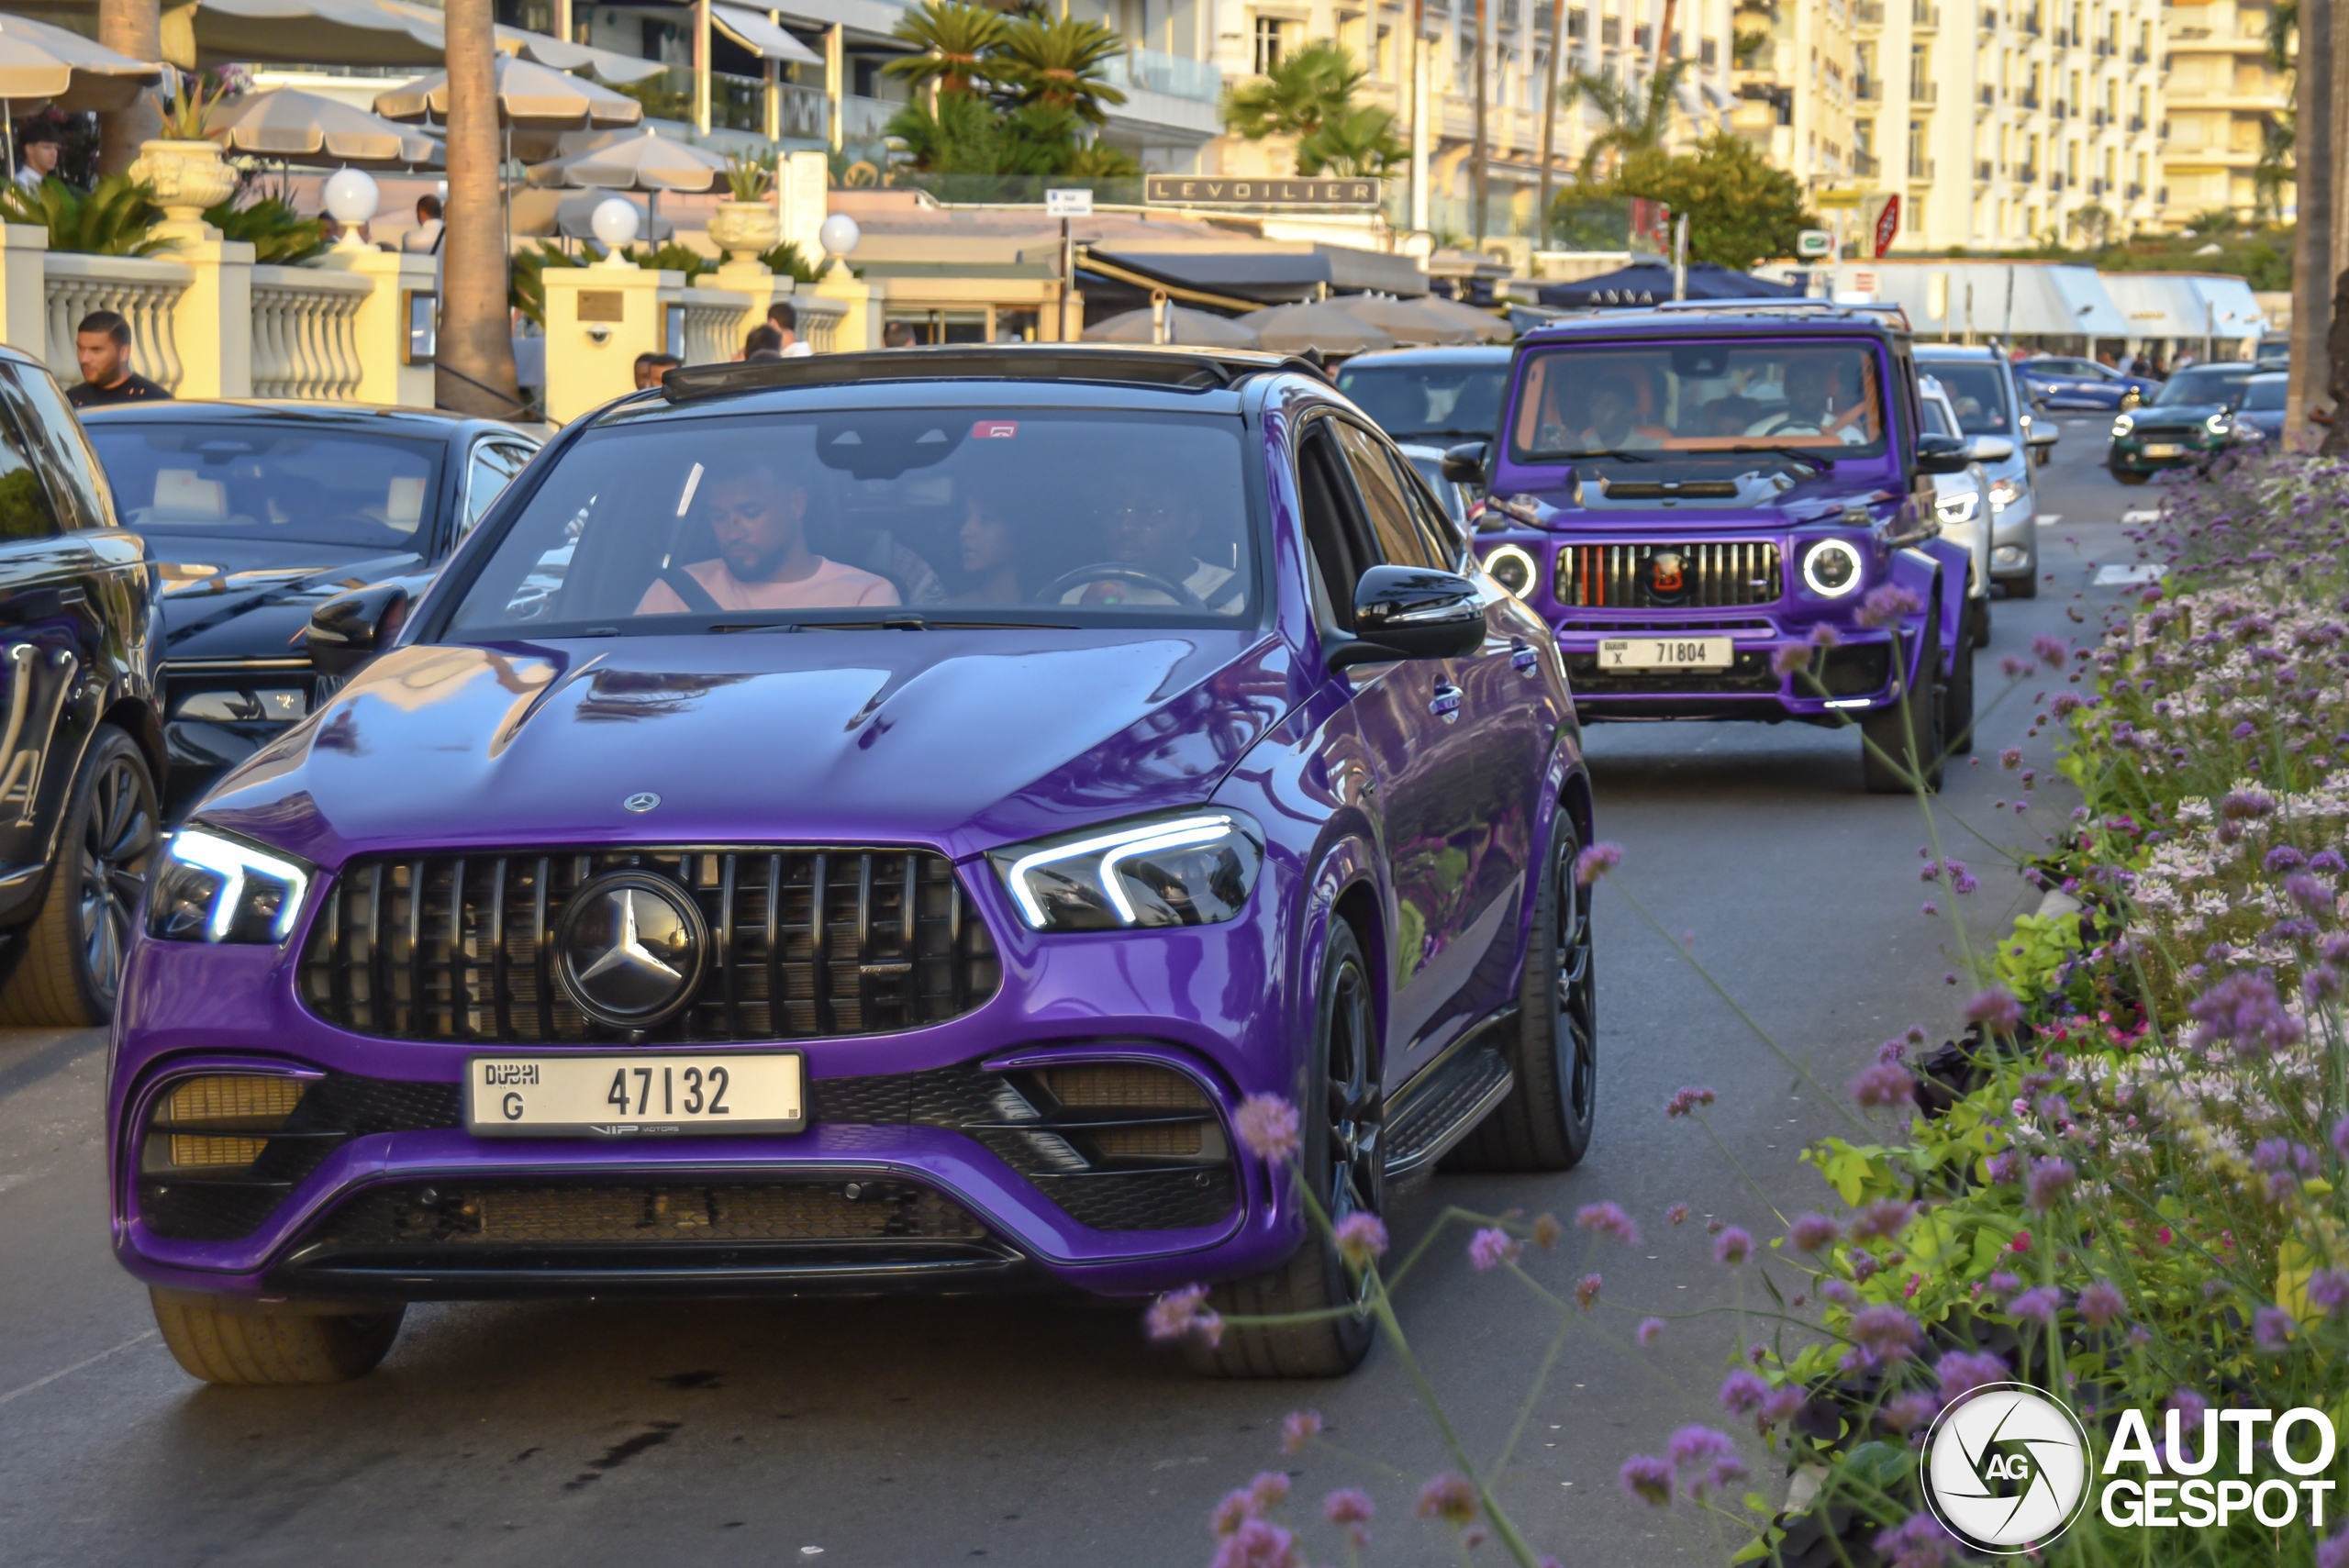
x=1149, y=529
x=1814, y=387
x=763, y=562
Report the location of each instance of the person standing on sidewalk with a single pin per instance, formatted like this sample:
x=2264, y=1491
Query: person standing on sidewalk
x=102, y=348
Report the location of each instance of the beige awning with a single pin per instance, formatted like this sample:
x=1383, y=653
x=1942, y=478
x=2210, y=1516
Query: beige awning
x=755, y=32
x=39, y=63
x=630, y=161
x=285, y=122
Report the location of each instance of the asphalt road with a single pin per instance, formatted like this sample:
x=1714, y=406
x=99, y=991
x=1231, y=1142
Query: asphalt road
x=1026, y=1432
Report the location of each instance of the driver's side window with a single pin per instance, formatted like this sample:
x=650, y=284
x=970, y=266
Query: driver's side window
x=1336, y=534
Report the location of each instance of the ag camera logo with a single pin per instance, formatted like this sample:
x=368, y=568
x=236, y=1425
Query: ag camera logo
x=2007, y=1469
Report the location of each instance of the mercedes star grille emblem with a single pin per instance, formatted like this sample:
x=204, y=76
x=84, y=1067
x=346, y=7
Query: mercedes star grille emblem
x=644, y=800
x=630, y=947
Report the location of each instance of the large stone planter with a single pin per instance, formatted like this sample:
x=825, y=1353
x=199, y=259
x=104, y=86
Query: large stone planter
x=188, y=177
x=746, y=229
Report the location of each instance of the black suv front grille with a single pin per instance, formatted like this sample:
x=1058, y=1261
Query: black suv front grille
x=807, y=944
x=1624, y=576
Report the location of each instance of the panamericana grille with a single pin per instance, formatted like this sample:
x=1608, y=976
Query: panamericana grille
x=1624, y=576
x=466, y=1214
x=806, y=943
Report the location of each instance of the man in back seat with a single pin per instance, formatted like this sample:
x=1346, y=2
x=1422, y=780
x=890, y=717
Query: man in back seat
x=758, y=517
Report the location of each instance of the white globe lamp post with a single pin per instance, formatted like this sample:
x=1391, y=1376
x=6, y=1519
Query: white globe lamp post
x=839, y=236
x=352, y=198
x=614, y=222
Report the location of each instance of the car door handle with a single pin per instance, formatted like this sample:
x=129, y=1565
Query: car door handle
x=1523, y=657
x=1445, y=703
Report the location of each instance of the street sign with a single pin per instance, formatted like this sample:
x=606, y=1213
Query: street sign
x=1192, y=190
x=1888, y=224
x=1077, y=203
x=1815, y=242
x=1651, y=226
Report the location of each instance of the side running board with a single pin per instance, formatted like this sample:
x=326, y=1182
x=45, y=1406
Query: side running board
x=1442, y=1109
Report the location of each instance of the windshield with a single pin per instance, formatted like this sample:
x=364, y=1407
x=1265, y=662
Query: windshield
x=1698, y=400
x=2266, y=394
x=266, y=481
x=1978, y=389
x=2204, y=384
x=1059, y=517
x=1406, y=400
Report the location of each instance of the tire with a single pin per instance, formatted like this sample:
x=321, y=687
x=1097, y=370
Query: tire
x=1957, y=696
x=253, y=1348
x=1917, y=721
x=71, y=963
x=2025, y=586
x=2130, y=478
x=1544, y=1125
x=1978, y=621
x=1341, y=1124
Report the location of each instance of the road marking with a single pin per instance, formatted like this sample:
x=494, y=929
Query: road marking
x=2141, y=515
x=2051, y=518
x=2119, y=576
x=68, y=1370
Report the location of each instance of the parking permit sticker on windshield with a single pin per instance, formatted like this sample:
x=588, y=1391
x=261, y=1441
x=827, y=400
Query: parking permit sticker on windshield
x=994, y=429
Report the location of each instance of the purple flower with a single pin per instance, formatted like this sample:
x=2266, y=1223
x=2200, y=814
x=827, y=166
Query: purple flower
x=1838, y=1292
x=2010, y=758
x=1995, y=1010
x=1347, y=1505
x=2333, y=1550
x=1884, y=1218
x=1489, y=1249
x=1920, y=1541
x=2037, y=1305
x=2100, y=1303
x=2308, y=893
x=1268, y=1125
x=1886, y=1333
x=1449, y=1498
x=2245, y=730
x=1783, y=1405
x=1908, y=1411
x=2272, y=1329
x=1678, y=1212
x=1586, y=1291
x=2328, y=1288
x=1650, y=1330
x=1180, y=1312
x=1734, y=1246
x=2281, y=859
x=1647, y=1478
x=2341, y=1138
x=1888, y=604
x=1257, y=1544
x=1695, y=1448
x=2245, y=804
x=1742, y=1393
x=1718, y=1474
x=1961, y=1371
x=2049, y=1181
x=1684, y=1102
x=1608, y=1219
x=1929, y=909
x=1789, y=659
x=1299, y=1428
x=1886, y=1084
x=1361, y=1238
x=2244, y=1009
x=1597, y=862
x=1813, y=1232
x=1269, y=1489
x=2052, y=650
x=1825, y=635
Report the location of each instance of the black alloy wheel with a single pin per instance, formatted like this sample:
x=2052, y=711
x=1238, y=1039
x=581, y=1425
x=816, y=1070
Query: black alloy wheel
x=69, y=968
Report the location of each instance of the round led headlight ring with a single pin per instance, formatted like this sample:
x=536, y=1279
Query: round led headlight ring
x=1832, y=568
x=1512, y=568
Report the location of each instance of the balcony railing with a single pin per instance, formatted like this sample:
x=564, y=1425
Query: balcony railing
x=863, y=121
x=1868, y=90
x=1919, y=168
x=2136, y=57
x=2135, y=190
x=2096, y=186
x=2099, y=119
x=1157, y=71
x=2104, y=49
x=1982, y=170
x=1866, y=165
x=2059, y=109
x=2028, y=174
x=1989, y=18
x=807, y=114
x=2062, y=37
x=1927, y=17
x=2028, y=97
x=2136, y=123
x=2055, y=181
x=738, y=103
x=1922, y=92
x=1986, y=96
x=1870, y=12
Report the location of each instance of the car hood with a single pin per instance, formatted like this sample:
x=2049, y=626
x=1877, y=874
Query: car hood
x=965, y=740
x=1759, y=504
x=229, y=598
x=2176, y=416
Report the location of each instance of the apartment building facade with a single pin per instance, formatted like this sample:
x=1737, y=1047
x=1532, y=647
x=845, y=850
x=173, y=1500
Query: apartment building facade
x=1796, y=67
x=2224, y=96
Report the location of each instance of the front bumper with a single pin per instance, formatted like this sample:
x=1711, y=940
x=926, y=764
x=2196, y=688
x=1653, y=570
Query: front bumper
x=2196, y=449
x=1859, y=674
x=403, y=1202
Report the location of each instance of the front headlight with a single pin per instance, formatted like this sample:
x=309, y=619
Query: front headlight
x=1958, y=508
x=1512, y=568
x=212, y=888
x=2005, y=493
x=2122, y=425
x=2216, y=424
x=1190, y=868
x=1832, y=568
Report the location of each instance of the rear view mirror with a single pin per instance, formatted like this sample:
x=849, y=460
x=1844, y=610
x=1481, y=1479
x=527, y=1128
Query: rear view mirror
x=1465, y=464
x=1409, y=612
x=350, y=628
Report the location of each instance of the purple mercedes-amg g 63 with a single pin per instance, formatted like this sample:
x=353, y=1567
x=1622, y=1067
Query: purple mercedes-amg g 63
x=1684, y=491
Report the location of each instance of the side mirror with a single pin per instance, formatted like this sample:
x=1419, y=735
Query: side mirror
x=2132, y=398
x=1465, y=464
x=1409, y=612
x=350, y=628
x=1992, y=449
x=1943, y=454
x=2044, y=433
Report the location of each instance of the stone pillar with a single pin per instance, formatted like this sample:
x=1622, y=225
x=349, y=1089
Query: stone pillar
x=599, y=318
x=213, y=321
x=24, y=289
x=805, y=183
x=748, y=276
x=386, y=374
x=859, y=330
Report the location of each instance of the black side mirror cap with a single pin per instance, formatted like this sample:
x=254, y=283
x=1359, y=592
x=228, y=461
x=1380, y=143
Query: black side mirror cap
x=1410, y=612
x=1465, y=464
x=1943, y=454
x=350, y=628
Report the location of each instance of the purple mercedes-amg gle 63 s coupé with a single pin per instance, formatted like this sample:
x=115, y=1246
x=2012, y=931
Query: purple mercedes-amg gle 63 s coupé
x=866, y=823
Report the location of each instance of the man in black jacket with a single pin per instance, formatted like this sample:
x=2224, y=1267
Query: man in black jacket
x=102, y=348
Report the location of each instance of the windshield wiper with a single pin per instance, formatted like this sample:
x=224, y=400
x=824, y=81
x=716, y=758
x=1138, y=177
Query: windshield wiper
x=1793, y=454
x=1620, y=455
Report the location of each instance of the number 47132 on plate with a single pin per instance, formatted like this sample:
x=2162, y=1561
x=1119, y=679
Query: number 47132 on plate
x=642, y=1095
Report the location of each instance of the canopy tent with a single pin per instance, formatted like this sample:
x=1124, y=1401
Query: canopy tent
x=1201, y=328
x=763, y=37
x=1294, y=329
x=287, y=123
x=41, y=64
x=1650, y=283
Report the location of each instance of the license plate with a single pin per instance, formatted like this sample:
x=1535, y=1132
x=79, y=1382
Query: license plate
x=1666, y=653
x=637, y=1095
x=2163, y=448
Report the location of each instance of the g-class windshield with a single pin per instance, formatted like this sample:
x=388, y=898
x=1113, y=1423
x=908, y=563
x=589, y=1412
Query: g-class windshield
x=1716, y=408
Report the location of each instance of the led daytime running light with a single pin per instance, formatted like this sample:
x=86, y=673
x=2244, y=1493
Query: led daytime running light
x=1811, y=562
x=231, y=861
x=1119, y=846
x=1509, y=554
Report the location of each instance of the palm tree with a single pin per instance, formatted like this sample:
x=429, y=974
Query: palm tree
x=1296, y=95
x=955, y=40
x=1637, y=119
x=1354, y=143
x=476, y=342
x=1059, y=65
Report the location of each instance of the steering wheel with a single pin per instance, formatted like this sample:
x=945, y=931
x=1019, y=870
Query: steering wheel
x=1117, y=571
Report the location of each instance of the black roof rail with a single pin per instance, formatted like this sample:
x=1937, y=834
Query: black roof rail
x=1173, y=367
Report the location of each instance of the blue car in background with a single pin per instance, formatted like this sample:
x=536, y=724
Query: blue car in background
x=2260, y=414
x=2061, y=383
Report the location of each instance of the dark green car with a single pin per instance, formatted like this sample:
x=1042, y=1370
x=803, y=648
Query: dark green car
x=2190, y=422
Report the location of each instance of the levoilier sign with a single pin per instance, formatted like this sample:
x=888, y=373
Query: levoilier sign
x=1192, y=190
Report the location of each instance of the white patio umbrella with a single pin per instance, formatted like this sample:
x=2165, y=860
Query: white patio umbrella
x=1420, y=321
x=1202, y=329
x=1293, y=329
x=331, y=32
x=630, y=161
x=287, y=123
x=41, y=64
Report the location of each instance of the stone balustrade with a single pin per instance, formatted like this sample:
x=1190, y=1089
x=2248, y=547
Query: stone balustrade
x=143, y=291
x=306, y=339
